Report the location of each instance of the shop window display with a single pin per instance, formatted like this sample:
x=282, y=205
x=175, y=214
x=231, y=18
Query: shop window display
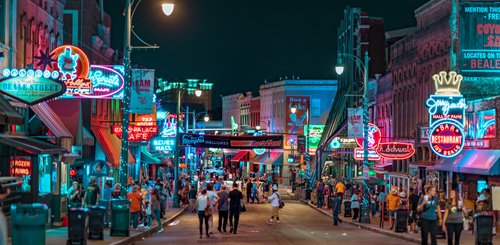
x=45, y=173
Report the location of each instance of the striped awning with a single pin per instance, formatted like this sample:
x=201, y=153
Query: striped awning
x=51, y=119
x=31, y=145
x=88, y=138
x=111, y=146
x=8, y=114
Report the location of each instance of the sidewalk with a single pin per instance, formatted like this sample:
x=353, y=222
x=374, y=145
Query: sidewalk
x=465, y=238
x=60, y=235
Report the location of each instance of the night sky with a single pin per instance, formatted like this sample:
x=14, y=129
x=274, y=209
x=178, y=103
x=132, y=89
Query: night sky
x=237, y=44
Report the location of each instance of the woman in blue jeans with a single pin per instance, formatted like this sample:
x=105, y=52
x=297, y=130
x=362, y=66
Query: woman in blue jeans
x=431, y=211
x=453, y=220
x=155, y=208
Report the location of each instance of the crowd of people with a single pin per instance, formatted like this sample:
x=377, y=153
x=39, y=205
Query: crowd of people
x=429, y=212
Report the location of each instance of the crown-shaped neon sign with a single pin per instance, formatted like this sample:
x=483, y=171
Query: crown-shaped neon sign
x=447, y=83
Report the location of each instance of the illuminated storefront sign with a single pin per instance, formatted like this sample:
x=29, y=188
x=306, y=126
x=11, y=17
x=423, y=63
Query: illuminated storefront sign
x=314, y=133
x=340, y=142
x=374, y=136
x=395, y=150
x=161, y=144
x=136, y=133
x=259, y=151
x=372, y=154
x=447, y=139
x=31, y=86
x=71, y=62
x=237, y=142
x=447, y=115
x=20, y=166
x=106, y=82
x=479, y=39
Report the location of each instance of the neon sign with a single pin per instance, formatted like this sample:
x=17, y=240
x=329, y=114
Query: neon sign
x=71, y=62
x=447, y=115
x=395, y=150
x=161, y=144
x=447, y=139
x=136, y=133
x=372, y=154
x=259, y=151
x=104, y=82
x=31, y=86
x=374, y=136
x=314, y=133
x=20, y=166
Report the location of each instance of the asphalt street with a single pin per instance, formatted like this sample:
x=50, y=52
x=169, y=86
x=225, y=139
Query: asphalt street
x=300, y=224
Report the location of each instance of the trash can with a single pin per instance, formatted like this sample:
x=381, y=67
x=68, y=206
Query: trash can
x=120, y=217
x=483, y=225
x=78, y=224
x=401, y=220
x=347, y=209
x=96, y=222
x=28, y=223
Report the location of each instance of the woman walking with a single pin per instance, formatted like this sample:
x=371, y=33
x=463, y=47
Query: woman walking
x=429, y=206
x=202, y=202
x=453, y=218
x=355, y=205
x=156, y=208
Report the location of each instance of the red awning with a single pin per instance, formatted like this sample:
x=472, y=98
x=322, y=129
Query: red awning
x=274, y=158
x=111, y=145
x=242, y=156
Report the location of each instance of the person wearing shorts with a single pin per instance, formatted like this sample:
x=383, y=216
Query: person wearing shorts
x=392, y=204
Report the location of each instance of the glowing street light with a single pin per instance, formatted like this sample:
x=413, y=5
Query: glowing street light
x=206, y=118
x=168, y=8
x=198, y=91
x=339, y=68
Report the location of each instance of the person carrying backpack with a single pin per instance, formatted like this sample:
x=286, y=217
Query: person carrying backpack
x=275, y=200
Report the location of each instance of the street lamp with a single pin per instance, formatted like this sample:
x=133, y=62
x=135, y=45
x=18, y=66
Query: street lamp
x=206, y=118
x=339, y=68
x=198, y=91
x=167, y=8
x=257, y=127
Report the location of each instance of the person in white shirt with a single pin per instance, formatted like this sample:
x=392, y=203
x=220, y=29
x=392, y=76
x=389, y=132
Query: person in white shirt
x=355, y=205
x=275, y=204
x=201, y=203
x=213, y=198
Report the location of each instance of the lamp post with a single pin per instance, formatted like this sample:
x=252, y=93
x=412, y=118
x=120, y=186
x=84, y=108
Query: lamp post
x=167, y=8
x=339, y=68
x=181, y=87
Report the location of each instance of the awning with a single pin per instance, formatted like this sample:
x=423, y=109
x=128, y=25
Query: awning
x=275, y=158
x=242, y=156
x=148, y=158
x=51, y=119
x=88, y=139
x=8, y=113
x=111, y=146
x=387, y=166
x=481, y=162
x=31, y=145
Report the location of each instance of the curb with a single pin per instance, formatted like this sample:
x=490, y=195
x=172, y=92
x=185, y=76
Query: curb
x=149, y=232
x=367, y=227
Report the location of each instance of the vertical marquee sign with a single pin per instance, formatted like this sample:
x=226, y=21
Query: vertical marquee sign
x=446, y=115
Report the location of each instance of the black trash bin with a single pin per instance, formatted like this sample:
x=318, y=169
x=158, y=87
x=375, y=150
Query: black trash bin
x=96, y=222
x=483, y=225
x=78, y=224
x=347, y=209
x=28, y=223
x=401, y=220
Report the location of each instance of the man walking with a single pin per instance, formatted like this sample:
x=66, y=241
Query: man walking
x=223, y=206
x=249, y=190
x=235, y=203
x=320, y=189
x=92, y=194
x=337, y=202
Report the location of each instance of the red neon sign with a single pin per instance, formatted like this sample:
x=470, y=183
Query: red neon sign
x=20, y=166
x=71, y=62
x=137, y=133
x=447, y=139
x=72, y=172
x=395, y=150
x=374, y=136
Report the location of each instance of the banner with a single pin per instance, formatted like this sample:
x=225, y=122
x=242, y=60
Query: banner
x=355, y=122
x=295, y=121
x=141, y=96
x=232, y=142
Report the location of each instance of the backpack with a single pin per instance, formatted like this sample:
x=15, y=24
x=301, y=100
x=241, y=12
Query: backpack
x=281, y=203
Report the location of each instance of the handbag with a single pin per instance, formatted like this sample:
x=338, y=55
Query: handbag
x=466, y=224
x=208, y=210
x=281, y=203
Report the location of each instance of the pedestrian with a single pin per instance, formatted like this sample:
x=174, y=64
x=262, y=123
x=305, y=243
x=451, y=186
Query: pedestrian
x=213, y=196
x=155, y=207
x=337, y=202
x=453, y=218
x=202, y=202
x=340, y=188
x=275, y=205
x=223, y=206
x=92, y=194
x=249, y=190
x=355, y=205
x=235, y=204
x=320, y=189
x=106, y=201
x=135, y=199
x=192, y=199
x=75, y=195
x=255, y=191
x=413, y=201
x=392, y=200
x=3, y=219
x=429, y=206
x=116, y=191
